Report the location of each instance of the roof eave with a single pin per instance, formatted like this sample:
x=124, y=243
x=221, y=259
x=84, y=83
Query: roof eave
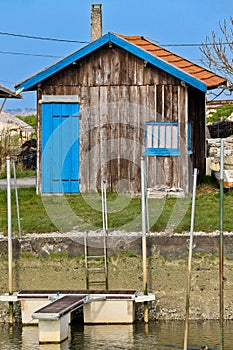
x=31, y=82
x=218, y=86
x=7, y=93
x=158, y=62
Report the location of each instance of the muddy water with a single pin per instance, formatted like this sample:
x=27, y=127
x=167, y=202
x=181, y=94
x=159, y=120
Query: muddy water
x=157, y=336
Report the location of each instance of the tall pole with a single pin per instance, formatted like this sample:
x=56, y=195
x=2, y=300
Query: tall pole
x=221, y=277
x=105, y=228
x=144, y=250
x=190, y=260
x=16, y=198
x=9, y=223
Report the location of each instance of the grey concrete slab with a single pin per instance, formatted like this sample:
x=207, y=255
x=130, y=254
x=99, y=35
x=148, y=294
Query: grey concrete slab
x=25, y=182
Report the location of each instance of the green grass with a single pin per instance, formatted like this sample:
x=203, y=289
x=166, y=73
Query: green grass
x=30, y=120
x=81, y=211
x=221, y=113
x=20, y=173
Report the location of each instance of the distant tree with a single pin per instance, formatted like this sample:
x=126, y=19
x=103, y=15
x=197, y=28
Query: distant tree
x=217, y=51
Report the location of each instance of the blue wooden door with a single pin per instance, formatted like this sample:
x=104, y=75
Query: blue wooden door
x=60, y=148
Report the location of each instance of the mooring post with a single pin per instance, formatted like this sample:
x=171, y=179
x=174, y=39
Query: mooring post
x=221, y=248
x=9, y=223
x=144, y=249
x=190, y=260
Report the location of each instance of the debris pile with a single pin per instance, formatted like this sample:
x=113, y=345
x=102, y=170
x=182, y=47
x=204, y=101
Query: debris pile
x=221, y=128
x=165, y=191
x=28, y=154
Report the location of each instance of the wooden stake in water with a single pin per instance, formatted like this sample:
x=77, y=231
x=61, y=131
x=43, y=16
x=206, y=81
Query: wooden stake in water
x=144, y=250
x=221, y=276
x=190, y=261
x=9, y=224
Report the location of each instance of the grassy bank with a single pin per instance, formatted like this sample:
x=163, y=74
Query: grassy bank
x=82, y=211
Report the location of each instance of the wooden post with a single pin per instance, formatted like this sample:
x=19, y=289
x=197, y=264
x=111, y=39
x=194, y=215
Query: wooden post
x=4, y=101
x=144, y=250
x=190, y=261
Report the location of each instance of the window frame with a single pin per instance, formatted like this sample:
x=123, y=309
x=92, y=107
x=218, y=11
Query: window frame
x=162, y=149
x=166, y=151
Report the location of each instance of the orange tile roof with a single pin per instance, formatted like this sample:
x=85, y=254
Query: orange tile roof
x=209, y=78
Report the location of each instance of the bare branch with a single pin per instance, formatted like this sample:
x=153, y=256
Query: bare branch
x=217, y=52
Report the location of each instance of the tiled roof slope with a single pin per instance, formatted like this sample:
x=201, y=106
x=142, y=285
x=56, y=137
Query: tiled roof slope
x=209, y=78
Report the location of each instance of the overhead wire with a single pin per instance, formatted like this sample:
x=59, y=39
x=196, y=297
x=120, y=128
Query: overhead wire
x=43, y=38
x=86, y=42
x=194, y=44
x=37, y=38
x=28, y=54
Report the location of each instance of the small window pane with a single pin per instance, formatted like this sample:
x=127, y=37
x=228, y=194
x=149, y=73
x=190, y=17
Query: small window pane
x=155, y=136
x=168, y=136
x=149, y=136
x=174, y=136
x=162, y=136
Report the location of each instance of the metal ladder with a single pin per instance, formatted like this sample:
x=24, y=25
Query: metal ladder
x=96, y=265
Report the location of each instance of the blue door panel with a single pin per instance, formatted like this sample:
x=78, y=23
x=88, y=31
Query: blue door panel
x=60, y=148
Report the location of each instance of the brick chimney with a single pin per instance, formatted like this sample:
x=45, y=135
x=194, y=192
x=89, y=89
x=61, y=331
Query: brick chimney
x=96, y=21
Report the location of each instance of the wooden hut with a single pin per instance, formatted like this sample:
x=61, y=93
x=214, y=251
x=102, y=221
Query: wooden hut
x=104, y=106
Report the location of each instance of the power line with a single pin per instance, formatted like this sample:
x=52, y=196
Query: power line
x=43, y=38
x=86, y=42
x=195, y=44
x=27, y=54
x=53, y=56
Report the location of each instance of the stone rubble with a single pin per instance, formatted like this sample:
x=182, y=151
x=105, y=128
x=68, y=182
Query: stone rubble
x=213, y=146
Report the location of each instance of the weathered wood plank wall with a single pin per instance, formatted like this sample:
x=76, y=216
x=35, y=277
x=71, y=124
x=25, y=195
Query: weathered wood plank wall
x=118, y=93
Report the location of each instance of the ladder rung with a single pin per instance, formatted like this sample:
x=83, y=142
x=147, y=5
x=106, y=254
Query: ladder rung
x=95, y=266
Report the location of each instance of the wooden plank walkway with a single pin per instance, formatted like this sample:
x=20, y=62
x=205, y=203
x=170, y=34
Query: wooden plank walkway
x=59, y=308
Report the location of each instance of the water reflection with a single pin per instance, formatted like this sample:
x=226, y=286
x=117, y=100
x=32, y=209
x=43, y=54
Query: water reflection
x=30, y=341
x=63, y=346
x=108, y=337
x=156, y=336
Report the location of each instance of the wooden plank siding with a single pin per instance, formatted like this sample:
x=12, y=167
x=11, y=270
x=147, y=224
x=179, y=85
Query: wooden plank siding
x=118, y=93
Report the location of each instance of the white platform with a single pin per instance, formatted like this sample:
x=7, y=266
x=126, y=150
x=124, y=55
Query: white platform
x=109, y=311
x=54, y=331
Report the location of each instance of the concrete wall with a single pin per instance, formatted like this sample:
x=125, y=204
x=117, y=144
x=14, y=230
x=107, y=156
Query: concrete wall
x=57, y=262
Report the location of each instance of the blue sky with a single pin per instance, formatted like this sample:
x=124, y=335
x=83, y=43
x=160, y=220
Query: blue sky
x=166, y=21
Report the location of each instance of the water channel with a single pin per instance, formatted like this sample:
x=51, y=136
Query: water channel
x=156, y=336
